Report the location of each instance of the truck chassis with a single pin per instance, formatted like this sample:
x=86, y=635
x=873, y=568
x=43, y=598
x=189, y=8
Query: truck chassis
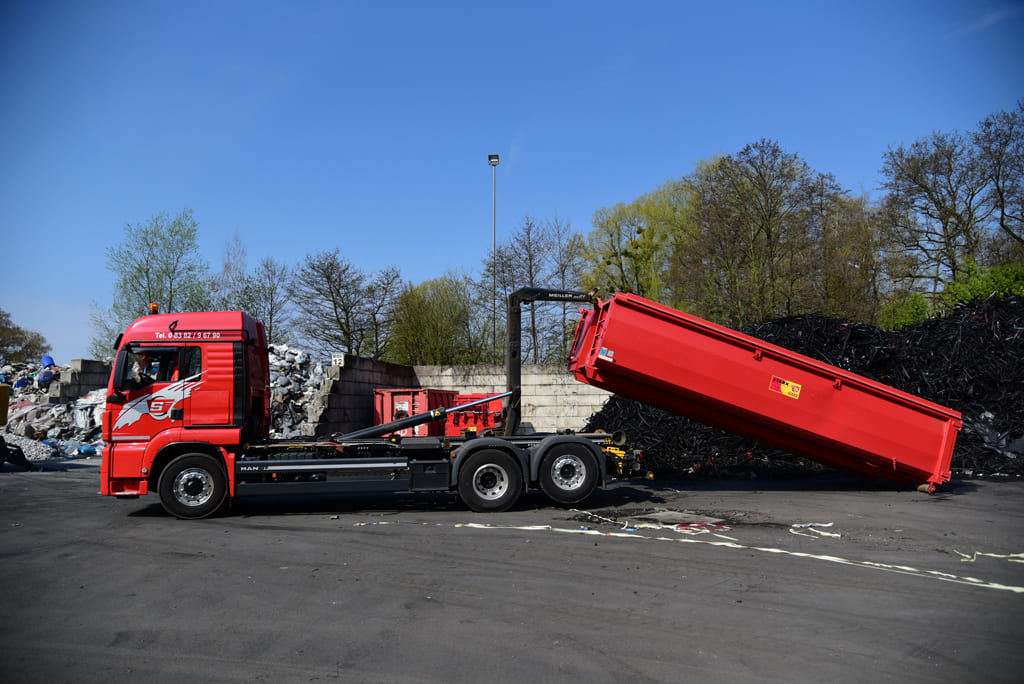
x=489, y=473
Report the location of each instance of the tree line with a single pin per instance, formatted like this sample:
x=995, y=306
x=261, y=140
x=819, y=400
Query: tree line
x=759, y=234
x=744, y=237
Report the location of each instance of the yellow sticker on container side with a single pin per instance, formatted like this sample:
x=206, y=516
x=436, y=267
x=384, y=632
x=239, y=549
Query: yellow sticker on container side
x=784, y=387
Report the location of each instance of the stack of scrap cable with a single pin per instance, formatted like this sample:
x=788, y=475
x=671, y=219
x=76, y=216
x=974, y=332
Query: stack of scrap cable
x=971, y=360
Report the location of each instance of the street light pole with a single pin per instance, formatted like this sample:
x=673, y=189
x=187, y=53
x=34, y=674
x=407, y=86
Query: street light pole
x=492, y=159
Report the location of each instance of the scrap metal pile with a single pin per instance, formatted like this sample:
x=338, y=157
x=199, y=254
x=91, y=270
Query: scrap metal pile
x=971, y=360
x=295, y=378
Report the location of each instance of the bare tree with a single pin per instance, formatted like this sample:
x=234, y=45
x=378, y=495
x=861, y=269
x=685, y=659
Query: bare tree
x=1000, y=144
x=381, y=293
x=329, y=296
x=229, y=283
x=544, y=254
x=269, y=299
x=339, y=308
x=938, y=189
x=566, y=274
x=522, y=261
x=532, y=249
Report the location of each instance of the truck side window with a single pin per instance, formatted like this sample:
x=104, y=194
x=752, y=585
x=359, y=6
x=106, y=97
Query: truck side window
x=148, y=366
x=193, y=362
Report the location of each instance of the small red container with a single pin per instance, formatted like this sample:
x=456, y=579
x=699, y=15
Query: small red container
x=689, y=366
x=394, y=404
x=486, y=416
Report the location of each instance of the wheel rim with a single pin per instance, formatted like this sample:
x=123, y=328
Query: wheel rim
x=568, y=472
x=490, y=481
x=193, y=487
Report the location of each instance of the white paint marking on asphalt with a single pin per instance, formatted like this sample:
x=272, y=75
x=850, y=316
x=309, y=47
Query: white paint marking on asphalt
x=885, y=567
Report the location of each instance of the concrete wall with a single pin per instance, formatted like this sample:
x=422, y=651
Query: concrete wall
x=345, y=400
x=552, y=398
x=83, y=377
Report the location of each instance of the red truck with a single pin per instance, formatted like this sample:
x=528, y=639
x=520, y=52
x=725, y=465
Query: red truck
x=188, y=416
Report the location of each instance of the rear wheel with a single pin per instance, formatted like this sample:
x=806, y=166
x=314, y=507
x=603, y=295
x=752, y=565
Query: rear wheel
x=490, y=481
x=568, y=473
x=192, y=486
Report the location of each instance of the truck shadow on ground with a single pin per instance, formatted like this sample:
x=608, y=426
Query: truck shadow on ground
x=617, y=494
x=407, y=502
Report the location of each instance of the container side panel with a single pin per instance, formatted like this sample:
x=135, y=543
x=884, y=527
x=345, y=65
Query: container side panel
x=685, y=365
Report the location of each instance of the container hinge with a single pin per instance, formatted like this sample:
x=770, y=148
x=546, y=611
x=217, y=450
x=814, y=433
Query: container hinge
x=838, y=384
x=757, y=355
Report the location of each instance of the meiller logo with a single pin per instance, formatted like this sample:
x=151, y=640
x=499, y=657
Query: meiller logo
x=157, y=405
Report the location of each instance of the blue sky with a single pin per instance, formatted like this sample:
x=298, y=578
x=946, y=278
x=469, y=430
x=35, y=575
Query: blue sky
x=366, y=125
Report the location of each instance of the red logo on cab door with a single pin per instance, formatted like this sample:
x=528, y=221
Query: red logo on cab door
x=157, y=405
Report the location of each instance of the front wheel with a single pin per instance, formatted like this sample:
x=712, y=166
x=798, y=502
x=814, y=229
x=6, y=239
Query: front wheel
x=568, y=473
x=192, y=486
x=490, y=481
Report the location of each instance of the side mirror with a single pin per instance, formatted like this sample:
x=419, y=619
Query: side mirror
x=116, y=398
x=120, y=371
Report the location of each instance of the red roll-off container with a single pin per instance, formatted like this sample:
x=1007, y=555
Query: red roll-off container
x=395, y=404
x=486, y=416
x=689, y=366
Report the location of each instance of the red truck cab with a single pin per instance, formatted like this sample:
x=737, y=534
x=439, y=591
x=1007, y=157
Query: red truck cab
x=184, y=383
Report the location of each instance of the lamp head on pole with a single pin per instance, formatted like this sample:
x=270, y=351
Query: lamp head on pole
x=492, y=159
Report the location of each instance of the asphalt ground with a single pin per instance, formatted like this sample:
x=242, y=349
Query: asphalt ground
x=649, y=581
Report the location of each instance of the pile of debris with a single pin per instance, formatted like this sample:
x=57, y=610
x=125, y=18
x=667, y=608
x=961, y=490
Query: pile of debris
x=51, y=430
x=45, y=425
x=47, y=417
x=295, y=378
x=971, y=360
x=31, y=380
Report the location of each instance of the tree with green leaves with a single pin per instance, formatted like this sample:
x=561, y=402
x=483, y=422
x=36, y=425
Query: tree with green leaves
x=746, y=250
x=435, y=323
x=982, y=283
x=18, y=345
x=847, y=270
x=157, y=261
x=628, y=249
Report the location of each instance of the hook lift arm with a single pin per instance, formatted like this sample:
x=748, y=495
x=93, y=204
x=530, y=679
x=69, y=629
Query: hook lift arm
x=514, y=344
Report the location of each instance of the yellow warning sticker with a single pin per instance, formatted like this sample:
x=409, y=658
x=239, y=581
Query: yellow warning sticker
x=785, y=387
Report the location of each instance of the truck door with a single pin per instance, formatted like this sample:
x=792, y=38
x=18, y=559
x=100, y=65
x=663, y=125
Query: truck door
x=210, y=402
x=150, y=384
x=155, y=382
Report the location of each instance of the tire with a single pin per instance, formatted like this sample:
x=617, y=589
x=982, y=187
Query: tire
x=192, y=486
x=568, y=473
x=490, y=481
